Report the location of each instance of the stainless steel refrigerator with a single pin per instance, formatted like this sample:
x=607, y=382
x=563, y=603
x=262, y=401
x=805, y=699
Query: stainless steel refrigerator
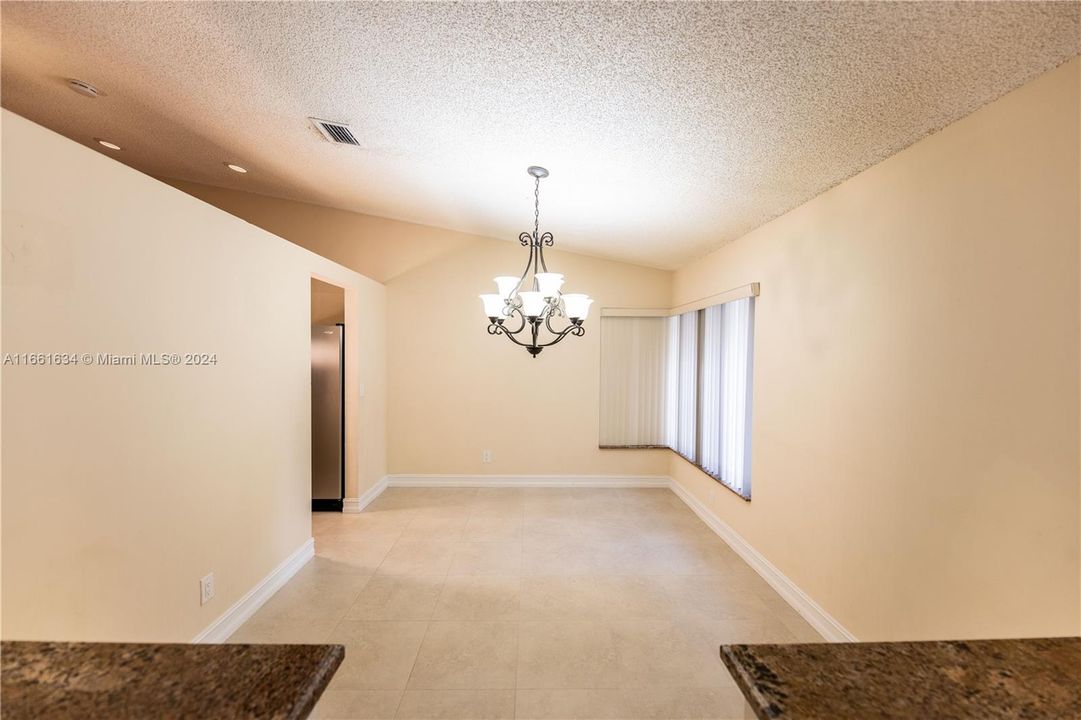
x=328, y=417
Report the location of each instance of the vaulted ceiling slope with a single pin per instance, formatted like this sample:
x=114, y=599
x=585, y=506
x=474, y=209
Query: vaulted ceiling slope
x=669, y=128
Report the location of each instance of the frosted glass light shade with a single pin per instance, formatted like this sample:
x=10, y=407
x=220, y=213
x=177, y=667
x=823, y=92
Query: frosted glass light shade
x=577, y=305
x=506, y=284
x=532, y=303
x=493, y=305
x=549, y=283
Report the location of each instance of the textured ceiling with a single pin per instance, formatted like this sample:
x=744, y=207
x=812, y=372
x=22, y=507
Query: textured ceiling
x=669, y=128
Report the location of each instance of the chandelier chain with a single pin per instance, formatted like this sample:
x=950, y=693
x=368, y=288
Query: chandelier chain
x=536, y=210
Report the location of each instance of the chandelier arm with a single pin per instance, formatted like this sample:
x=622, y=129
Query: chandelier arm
x=513, y=339
x=576, y=330
x=497, y=329
x=521, y=325
x=525, y=272
x=511, y=336
x=548, y=323
x=538, y=256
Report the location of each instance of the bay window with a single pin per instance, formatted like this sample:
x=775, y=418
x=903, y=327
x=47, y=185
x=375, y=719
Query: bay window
x=684, y=382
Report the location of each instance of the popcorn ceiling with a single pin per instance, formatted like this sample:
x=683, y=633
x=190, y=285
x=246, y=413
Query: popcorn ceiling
x=669, y=128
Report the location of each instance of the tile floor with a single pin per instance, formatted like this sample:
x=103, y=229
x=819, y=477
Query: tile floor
x=526, y=603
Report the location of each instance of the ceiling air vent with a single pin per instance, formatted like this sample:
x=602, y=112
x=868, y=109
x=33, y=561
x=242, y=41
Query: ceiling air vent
x=84, y=88
x=335, y=132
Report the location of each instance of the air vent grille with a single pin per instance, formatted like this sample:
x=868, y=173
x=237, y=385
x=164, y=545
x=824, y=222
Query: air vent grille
x=335, y=132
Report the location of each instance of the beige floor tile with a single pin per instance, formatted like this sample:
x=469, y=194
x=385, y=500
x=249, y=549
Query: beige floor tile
x=740, y=631
x=493, y=528
x=676, y=653
x=677, y=558
x=323, y=574
x=560, y=597
x=466, y=655
x=361, y=526
x=378, y=655
x=801, y=630
x=457, y=705
x=609, y=529
x=417, y=557
x=574, y=556
x=486, y=558
x=418, y=501
x=631, y=704
x=652, y=500
x=422, y=500
x=672, y=527
x=479, y=598
x=716, y=597
x=283, y=630
x=595, y=597
x=594, y=502
x=510, y=501
x=361, y=556
x=619, y=654
x=387, y=504
x=315, y=596
x=397, y=597
x=550, y=502
x=357, y=705
x=592, y=603
x=537, y=529
x=561, y=654
x=442, y=526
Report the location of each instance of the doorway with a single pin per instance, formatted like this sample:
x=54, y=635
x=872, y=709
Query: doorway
x=328, y=396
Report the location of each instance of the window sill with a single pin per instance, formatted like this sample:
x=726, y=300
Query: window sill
x=737, y=493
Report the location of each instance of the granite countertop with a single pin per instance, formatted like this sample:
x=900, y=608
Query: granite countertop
x=123, y=680
x=985, y=679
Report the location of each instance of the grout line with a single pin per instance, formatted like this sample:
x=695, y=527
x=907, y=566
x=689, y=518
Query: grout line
x=408, y=677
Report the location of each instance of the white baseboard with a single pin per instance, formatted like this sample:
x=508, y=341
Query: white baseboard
x=355, y=505
x=220, y=630
x=587, y=481
x=801, y=602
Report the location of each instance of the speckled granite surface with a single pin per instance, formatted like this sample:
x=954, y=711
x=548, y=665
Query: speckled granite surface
x=119, y=680
x=985, y=679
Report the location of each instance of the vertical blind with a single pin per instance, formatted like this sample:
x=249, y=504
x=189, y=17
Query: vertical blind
x=671, y=379
x=687, y=403
x=633, y=382
x=683, y=382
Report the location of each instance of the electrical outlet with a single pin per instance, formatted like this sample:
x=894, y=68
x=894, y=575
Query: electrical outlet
x=487, y=456
x=206, y=589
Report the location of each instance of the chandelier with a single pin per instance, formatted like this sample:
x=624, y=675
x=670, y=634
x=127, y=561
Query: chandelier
x=536, y=308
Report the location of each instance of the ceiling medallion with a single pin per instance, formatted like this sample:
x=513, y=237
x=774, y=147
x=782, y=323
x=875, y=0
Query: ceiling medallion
x=535, y=308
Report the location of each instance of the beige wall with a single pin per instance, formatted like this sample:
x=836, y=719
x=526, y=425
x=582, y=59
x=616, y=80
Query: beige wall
x=379, y=248
x=122, y=486
x=456, y=390
x=915, y=430
x=328, y=303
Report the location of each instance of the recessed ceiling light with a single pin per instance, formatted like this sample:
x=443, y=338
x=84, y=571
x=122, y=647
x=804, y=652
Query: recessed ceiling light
x=106, y=143
x=236, y=168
